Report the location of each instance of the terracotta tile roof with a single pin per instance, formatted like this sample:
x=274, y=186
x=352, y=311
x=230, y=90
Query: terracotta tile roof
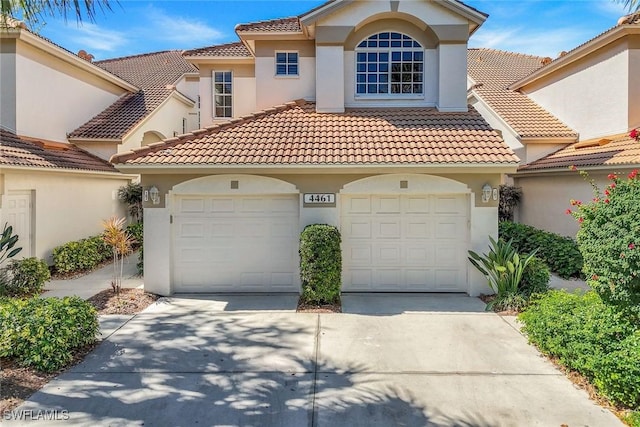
x=493, y=71
x=236, y=49
x=611, y=150
x=294, y=134
x=281, y=25
x=153, y=73
x=21, y=151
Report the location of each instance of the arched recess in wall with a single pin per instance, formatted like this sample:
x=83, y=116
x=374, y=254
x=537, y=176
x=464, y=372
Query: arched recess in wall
x=152, y=136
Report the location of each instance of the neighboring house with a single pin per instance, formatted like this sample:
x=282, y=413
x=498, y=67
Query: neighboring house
x=362, y=123
x=52, y=191
x=576, y=110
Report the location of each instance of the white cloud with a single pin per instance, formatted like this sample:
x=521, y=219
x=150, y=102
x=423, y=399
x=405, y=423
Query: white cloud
x=180, y=30
x=530, y=41
x=91, y=37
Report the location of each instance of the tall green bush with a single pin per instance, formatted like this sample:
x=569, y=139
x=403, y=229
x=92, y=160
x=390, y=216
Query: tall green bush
x=320, y=264
x=609, y=240
x=80, y=255
x=560, y=253
x=535, y=278
x=43, y=332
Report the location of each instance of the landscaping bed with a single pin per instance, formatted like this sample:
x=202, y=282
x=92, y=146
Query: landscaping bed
x=129, y=301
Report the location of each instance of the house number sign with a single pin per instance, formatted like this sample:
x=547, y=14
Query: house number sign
x=319, y=198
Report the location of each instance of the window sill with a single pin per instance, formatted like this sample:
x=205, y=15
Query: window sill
x=286, y=76
x=388, y=97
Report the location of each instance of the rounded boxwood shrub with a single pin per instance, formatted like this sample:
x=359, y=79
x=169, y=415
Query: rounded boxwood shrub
x=26, y=277
x=320, y=264
x=618, y=373
x=43, y=332
x=535, y=278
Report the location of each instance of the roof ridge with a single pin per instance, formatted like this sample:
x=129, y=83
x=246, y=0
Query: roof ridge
x=178, y=139
x=139, y=55
x=527, y=55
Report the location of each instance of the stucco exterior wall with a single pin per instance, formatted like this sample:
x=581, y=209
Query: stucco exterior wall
x=65, y=206
x=48, y=89
x=634, y=85
x=8, y=94
x=590, y=95
x=244, y=91
x=545, y=201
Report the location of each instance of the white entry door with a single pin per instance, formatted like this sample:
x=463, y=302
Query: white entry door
x=405, y=243
x=236, y=243
x=17, y=212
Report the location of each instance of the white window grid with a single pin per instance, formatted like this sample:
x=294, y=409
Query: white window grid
x=287, y=63
x=223, y=93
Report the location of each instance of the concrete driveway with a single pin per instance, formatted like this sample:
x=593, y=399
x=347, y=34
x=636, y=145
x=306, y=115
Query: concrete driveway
x=417, y=361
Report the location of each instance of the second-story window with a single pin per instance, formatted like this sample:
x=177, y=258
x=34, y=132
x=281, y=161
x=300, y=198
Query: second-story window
x=286, y=63
x=223, y=93
x=389, y=64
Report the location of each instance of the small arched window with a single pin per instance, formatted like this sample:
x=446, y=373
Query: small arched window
x=389, y=63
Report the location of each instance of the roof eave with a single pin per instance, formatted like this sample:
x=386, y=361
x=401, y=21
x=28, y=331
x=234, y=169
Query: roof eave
x=577, y=54
x=197, y=59
x=78, y=139
x=116, y=174
x=564, y=169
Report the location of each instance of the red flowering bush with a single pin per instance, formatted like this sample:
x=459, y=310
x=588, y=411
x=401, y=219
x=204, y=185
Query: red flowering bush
x=634, y=134
x=609, y=240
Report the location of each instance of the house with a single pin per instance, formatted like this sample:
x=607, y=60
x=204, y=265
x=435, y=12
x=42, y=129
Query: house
x=62, y=116
x=576, y=110
x=353, y=114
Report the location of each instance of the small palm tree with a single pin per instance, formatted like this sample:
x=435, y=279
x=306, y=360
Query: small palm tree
x=121, y=244
x=33, y=11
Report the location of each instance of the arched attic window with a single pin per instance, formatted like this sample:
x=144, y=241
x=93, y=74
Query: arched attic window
x=390, y=64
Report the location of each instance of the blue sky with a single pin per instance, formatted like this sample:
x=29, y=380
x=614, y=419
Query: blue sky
x=539, y=27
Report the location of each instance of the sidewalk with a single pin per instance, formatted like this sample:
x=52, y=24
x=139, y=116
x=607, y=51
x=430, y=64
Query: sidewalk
x=96, y=281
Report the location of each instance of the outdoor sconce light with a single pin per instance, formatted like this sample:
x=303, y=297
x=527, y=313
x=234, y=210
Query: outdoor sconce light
x=486, y=193
x=154, y=194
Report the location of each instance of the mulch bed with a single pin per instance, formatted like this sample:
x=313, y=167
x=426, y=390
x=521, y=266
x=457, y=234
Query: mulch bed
x=17, y=383
x=128, y=301
x=322, y=308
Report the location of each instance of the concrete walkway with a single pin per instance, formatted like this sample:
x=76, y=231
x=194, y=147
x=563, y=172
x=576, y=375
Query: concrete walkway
x=90, y=284
x=203, y=361
x=569, y=285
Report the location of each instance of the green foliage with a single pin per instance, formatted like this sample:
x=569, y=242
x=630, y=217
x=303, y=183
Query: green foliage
x=503, y=268
x=535, y=278
x=632, y=418
x=81, y=255
x=320, y=264
x=590, y=337
x=140, y=263
x=609, y=240
x=131, y=194
x=136, y=231
x=26, y=278
x=509, y=198
x=561, y=254
x=43, y=332
x=8, y=242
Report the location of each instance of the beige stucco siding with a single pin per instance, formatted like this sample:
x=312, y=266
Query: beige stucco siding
x=8, y=93
x=47, y=89
x=244, y=90
x=65, y=206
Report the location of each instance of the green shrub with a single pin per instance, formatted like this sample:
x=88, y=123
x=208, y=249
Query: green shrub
x=320, y=264
x=136, y=231
x=632, y=418
x=81, y=255
x=43, y=332
x=503, y=267
x=26, y=277
x=140, y=263
x=561, y=254
x=588, y=336
x=535, y=278
x=609, y=240
x=618, y=373
x=509, y=199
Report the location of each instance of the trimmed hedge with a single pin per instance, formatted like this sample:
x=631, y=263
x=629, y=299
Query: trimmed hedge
x=43, y=332
x=320, y=264
x=81, y=255
x=590, y=337
x=560, y=253
x=535, y=278
x=26, y=278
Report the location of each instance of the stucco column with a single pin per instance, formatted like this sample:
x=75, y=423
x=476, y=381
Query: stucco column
x=157, y=251
x=329, y=79
x=452, y=72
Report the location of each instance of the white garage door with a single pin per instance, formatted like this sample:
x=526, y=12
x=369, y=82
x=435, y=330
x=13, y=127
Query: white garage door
x=405, y=243
x=236, y=244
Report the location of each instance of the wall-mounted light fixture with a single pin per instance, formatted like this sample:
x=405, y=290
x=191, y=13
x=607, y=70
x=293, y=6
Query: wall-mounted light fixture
x=486, y=193
x=154, y=195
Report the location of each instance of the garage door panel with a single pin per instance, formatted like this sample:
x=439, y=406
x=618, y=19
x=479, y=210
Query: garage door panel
x=405, y=243
x=236, y=244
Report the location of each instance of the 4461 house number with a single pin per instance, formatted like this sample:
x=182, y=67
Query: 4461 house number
x=319, y=198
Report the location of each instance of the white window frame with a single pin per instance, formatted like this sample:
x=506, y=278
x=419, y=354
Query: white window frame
x=213, y=94
x=287, y=75
x=389, y=95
